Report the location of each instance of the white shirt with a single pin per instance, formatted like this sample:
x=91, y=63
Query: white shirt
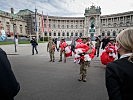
x=126, y=55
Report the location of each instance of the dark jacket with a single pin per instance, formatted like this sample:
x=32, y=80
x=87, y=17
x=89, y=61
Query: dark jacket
x=119, y=80
x=9, y=87
x=33, y=42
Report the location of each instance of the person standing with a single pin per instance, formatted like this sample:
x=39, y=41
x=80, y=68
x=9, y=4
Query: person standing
x=51, y=48
x=34, y=45
x=97, y=45
x=62, y=46
x=119, y=74
x=9, y=87
x=105, y=41
x=55, y=42
x=84, y=59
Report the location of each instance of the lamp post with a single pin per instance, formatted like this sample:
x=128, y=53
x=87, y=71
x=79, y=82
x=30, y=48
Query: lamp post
x=13, y=21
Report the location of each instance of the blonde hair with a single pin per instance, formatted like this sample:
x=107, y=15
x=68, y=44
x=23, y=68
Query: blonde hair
x=125, y=39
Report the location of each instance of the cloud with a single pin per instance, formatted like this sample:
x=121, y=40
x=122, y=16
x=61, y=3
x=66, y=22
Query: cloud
x=67, y=7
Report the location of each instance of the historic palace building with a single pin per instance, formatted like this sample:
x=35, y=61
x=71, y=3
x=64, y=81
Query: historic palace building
x=28, y=23
x=13, y=24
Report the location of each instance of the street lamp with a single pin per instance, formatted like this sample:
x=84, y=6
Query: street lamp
x=13, y=21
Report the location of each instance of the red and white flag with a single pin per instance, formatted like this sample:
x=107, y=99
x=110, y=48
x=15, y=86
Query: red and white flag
x=47, y=24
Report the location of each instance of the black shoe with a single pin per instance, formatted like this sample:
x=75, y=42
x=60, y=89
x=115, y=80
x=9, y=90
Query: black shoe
x=60, y=61
x=84, y=81
x=79, y=79
x=53, y=60
x=32, y=54
x=50, y=60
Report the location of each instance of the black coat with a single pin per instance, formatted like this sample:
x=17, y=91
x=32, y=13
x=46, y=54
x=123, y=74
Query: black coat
x=119, y=80
x=33, y=42
x=9, y=87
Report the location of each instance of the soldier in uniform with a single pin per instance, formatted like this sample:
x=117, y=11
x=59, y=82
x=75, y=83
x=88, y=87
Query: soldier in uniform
x=51, y=49
x=84, y=63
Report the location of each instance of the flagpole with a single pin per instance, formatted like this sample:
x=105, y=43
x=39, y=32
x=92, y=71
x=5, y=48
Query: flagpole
x=43, y=26
x=36, y=28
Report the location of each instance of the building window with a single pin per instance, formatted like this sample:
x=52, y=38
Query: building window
x=71, y=26
x=45, y=34
x=58, y=26
x=63, y=34
x=45, y=25
x=76, y=34
x=72, y=34
x=54, y=34
x=67, y=26
x=62, y=26
x=67, y=33
x=103, y=33
x=54, y=25
x=49, y=33
x=108, y=33
x=80, y=34
x=76, y=26
x=21, y=29
x=114, y=33
x=59, y=34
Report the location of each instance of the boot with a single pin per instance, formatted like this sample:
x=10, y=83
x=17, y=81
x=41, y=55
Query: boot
x=80, y=78
x=84, y=78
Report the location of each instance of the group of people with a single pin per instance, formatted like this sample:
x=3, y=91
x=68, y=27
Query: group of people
x=118, y=77
x=83, y=51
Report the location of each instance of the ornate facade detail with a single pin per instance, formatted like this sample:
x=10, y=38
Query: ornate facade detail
x=92, y=24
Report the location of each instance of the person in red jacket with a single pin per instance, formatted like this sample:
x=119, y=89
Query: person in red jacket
x=62, y=47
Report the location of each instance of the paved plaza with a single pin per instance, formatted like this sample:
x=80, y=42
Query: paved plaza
x=44, y=80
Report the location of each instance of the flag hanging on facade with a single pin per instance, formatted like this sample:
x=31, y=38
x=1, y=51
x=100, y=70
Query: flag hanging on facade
x=48, y=30
x=42, y=20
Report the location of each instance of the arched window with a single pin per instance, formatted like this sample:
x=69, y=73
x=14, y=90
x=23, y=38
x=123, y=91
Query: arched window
x=76, y=34
x=108, y=33
x=103, y=33
x=72, y=34
x=63, y=34
x=67, y=33
x=54, y=34
x=59, y=34
x=81, y=34
x=45, y=34
x=49, y=33
x=114, y=33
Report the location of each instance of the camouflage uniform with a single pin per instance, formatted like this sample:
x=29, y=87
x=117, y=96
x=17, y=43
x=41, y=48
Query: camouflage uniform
x=83, y=70
x=83, y=66
x=51, y=49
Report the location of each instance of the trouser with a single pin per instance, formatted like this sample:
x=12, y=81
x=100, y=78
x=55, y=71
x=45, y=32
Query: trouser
x=51, y=53
x=97, y=51
x=34, y=47
x=83, y=69
x=62, y=53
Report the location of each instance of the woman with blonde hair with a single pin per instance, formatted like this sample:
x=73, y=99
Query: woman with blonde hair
x=119, y=74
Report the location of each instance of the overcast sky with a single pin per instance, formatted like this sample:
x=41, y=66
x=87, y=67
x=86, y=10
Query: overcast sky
x=67, y=7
